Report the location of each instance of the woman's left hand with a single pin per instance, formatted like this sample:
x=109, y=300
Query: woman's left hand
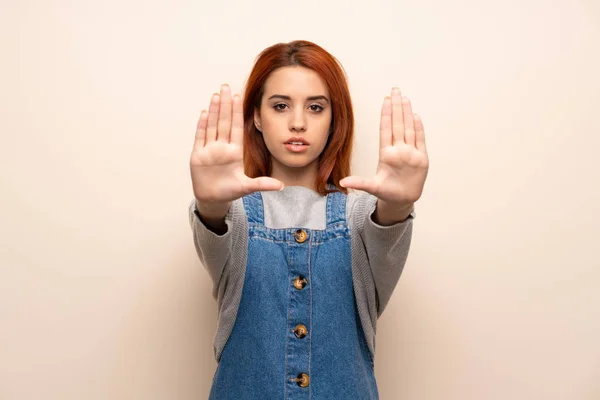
x=403, y=160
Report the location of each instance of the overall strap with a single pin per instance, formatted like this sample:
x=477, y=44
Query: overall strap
x=253, y=203
x=336, y=207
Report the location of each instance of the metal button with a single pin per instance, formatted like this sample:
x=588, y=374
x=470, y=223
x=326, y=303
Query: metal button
x=300, y=331
x=300, y=282
x=302, y=380
x=300, y=236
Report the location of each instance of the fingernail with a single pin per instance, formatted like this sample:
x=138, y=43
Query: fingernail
x=405, y=99
x=395, y=90
x=215, y=97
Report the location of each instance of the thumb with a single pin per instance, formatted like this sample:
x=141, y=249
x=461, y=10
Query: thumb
x=358, y=183
x=262, y=183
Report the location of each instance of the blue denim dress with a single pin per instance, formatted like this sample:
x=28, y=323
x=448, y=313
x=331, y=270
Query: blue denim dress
x=297, y=333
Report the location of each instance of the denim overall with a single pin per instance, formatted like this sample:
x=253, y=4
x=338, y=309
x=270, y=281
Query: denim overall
x=297, y=334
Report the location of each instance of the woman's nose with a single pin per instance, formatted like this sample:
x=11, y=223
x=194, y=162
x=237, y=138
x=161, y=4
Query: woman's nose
x=298, y=121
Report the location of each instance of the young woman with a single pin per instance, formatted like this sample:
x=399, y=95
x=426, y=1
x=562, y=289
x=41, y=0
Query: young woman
x=301, y=269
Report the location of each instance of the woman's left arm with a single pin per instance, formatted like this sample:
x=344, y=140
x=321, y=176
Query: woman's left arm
x=403, y=162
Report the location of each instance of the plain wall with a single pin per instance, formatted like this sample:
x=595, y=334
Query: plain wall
x=102, y=295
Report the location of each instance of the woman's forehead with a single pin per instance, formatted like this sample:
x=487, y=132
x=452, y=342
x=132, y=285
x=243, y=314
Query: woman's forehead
x=295, y=82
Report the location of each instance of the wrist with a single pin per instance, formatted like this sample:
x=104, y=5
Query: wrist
x=213, y=214
x=213, y=210
x=391, y=213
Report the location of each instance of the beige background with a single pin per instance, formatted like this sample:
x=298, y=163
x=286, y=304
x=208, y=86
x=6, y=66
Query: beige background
x=101, y=293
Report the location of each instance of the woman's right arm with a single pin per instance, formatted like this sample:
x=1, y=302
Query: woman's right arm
x=215, y=248
x=219, y=181
x=216, y=162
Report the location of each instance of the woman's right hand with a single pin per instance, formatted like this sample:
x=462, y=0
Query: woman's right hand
x=216, y=163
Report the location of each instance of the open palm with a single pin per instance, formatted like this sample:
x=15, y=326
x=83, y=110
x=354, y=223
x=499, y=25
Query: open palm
x=403, y=160
x=216, y=162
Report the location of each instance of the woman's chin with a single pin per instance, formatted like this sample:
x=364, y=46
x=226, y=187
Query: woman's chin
x=295, y=162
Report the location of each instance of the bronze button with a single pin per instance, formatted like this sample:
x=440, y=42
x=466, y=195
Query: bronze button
x=300, y=331
x=302, y=380
x=300, y=282
x=300, y=236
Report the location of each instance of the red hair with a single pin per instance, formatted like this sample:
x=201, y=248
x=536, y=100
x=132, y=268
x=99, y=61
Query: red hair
x=334, y=161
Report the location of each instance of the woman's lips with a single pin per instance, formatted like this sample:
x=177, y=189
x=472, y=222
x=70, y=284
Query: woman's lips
x=296, y=144
x=296, y=147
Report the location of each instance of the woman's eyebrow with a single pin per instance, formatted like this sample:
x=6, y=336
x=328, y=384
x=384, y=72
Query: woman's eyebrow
x=283, y=97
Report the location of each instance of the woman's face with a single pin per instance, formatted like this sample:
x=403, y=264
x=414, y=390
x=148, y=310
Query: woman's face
x=294, y=116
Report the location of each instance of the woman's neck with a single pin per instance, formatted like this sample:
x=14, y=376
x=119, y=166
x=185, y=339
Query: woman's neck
x=296, y=176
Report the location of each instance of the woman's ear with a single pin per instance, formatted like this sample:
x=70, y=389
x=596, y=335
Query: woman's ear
x=257, y=123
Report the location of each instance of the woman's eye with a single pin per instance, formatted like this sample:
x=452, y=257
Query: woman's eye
x=313, y=107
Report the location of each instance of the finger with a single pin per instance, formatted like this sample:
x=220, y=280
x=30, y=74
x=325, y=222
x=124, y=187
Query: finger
x=409, y=125
x=420, y=134
x=356, y=182
x=262, y=183
x=224, y=124
x=397, y=117
x=385, y=126
x=213, y=116
x=237, y=125
x=201, y=130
